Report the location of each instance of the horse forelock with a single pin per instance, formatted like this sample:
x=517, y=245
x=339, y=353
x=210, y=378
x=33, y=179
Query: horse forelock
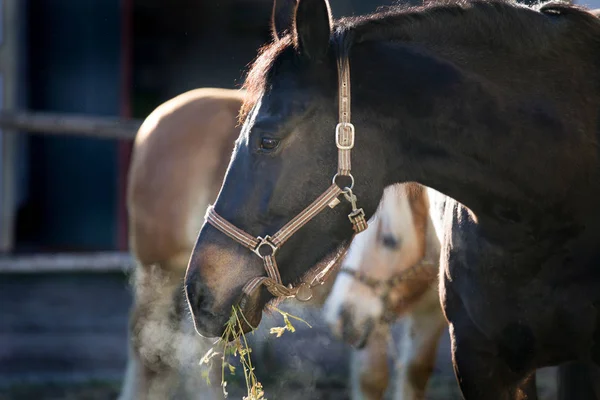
x=257, y=77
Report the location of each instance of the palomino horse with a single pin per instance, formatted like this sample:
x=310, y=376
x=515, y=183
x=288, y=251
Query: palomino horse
x=492, y=103
x=179, y=159
x=390, y=271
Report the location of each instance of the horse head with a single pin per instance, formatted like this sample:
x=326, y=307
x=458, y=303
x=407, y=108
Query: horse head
x=284, y=158
x=387, y=267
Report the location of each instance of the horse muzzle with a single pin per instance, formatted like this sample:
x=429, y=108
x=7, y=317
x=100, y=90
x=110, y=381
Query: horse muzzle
x=353, y=332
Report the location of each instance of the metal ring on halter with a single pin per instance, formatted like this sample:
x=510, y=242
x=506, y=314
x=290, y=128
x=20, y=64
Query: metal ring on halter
x=262, y=241
x=351, y=181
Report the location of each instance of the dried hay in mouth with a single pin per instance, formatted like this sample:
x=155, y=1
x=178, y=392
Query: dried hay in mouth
x=234, y=343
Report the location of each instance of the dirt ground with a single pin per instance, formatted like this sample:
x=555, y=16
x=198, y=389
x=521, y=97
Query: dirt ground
x=91, y=391
x=440, y=388
x=306, y=365
x=109, y=391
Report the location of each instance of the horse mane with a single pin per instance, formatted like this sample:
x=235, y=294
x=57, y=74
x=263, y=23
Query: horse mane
x=259, y=71
x=517, y=28
x=555, y=27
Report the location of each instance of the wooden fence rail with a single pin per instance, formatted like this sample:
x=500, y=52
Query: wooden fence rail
x=66, y=262
x=66, y=124
x=70, y=125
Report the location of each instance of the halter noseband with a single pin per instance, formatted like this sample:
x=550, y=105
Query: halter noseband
x=267, y=247
x=383, y=287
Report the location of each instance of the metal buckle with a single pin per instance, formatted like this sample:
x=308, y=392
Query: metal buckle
x=261, y=241
x=337, y=135
x=355, y=214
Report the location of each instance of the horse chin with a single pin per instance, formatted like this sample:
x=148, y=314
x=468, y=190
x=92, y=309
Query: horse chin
x=250, y=311
x=358, y=338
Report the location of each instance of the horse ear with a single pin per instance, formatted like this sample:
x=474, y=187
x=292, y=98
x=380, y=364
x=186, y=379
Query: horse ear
x=282, y=17
x=312, y=28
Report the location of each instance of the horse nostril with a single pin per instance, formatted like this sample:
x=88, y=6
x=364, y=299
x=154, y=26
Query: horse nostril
x=347, y=323
x=195, y=294
x=346, y=316
x=207, y=320
x=355, y=334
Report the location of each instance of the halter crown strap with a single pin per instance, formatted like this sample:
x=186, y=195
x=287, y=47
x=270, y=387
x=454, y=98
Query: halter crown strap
x=267, y=247
x=307, y=214
x=344, y=131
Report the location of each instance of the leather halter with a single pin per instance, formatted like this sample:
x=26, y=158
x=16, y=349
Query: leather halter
x=383, y=287
x=267, y=247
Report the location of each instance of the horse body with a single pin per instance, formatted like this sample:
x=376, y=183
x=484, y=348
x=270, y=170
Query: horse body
x=167, y=196
x=520, y=284
x=390, y=272
x=199, y=127
x=544, y=311
x=489, y=102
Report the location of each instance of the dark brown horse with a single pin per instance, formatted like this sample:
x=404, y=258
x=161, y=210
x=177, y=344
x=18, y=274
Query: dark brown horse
x=493, y=104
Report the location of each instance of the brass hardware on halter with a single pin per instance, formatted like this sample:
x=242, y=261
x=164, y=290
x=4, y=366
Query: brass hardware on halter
x=265, y=241
x=359, y=222
x=357, y=215
x=304, y=292
x=342, y=142
x=334, y=203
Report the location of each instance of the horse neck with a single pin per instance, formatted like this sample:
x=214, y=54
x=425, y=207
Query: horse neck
x=468, y=133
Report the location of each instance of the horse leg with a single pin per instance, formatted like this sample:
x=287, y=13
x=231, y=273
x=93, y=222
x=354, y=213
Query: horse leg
x=159, y=339
x=424, y=327
x=481, y=374
x=369, y=367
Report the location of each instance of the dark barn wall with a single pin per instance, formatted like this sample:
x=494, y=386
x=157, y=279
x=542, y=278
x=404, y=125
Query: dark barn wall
x=185, y=44
x=74, y=67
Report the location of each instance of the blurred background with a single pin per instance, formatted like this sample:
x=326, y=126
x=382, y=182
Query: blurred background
x=68, y=68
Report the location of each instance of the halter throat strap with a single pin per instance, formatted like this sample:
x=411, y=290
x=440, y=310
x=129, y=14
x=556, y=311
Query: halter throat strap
x=267, y=247
x=424, y=269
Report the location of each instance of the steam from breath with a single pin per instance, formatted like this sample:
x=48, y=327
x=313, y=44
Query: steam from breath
x=165, y=338
x=168, y=344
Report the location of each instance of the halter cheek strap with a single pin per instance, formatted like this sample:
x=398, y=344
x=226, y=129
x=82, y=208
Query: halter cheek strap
x=382, y=288
x=267, y=247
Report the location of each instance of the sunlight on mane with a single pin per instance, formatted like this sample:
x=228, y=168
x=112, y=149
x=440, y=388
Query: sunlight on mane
x=257, y=75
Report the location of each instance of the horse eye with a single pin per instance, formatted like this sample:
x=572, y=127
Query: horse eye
x=391, y=242
x=269, y=144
